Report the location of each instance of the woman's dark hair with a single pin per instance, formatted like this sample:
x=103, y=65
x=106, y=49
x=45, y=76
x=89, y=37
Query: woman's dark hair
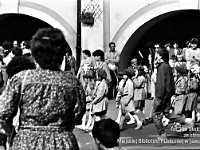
x=86, y=52
x=48, y=46
x=107, y=132
x=16, y=51
x=99, y=53
x=19, y=63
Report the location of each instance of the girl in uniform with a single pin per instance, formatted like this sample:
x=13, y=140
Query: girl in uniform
x=100, y=100
x=125, y=98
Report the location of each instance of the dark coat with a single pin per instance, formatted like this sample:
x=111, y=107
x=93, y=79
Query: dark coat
x=165, y=86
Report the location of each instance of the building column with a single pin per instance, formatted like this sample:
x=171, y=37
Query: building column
x=78, y=35
x=106, y=24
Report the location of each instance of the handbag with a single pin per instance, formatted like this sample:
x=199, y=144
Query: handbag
x=15, y=122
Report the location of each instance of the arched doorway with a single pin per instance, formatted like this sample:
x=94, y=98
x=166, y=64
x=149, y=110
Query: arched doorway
x=179, y=25
x=19, y=27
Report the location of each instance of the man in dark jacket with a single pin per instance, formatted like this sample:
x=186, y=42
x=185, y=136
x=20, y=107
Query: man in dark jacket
x=165, y=88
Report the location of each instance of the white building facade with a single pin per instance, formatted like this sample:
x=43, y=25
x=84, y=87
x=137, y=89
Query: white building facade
x=120, y=19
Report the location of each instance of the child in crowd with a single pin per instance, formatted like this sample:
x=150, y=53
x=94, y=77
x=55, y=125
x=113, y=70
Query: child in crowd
x=87, y=63
x=180, y=88
x=89, y=88
x=180, y=60
x=125, y=98
x=140, y=94
x=106, y=134
x=191, y=102
x=100, y=100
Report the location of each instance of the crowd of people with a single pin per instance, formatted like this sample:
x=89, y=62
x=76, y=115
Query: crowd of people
x=171, y=79
x=40, y=81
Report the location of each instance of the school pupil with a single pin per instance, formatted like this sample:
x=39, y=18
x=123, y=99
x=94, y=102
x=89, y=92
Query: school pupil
x=100, y=100
x=125, y=98
x=88, y=88
x=140, y=94
x=178, y=100
x=191, y=101
x=106, y=134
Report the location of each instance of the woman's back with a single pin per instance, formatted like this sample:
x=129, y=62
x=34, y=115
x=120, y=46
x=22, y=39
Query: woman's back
x=51, y=103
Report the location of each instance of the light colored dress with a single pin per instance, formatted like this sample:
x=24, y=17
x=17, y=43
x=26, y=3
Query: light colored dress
x=139, y=86
x=125, y=95
x=100, y=94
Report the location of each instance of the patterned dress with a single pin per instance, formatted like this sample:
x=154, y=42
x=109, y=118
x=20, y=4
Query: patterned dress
x=52, y=102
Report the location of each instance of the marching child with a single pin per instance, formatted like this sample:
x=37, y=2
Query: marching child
x=139, y=92
x=180, y=88
x=191, y=102
x=100, y=100
x=125, y=98
x=89, y=88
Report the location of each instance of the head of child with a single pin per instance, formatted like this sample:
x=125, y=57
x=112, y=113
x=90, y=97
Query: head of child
x=101, y=74
x=141, y=71
x=98, y=55
x=179, y=57
x=127, y=74
x=134, y=62
x=194, y=43
x=163, y=55
x=88, y=76
x=181, y=70
x=106, y=134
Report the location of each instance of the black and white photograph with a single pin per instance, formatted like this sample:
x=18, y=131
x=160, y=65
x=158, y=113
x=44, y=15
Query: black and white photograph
x=99, y=74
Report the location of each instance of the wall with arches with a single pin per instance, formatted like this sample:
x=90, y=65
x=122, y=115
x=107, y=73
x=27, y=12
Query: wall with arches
x=121, y=19
x=60, y=14
x=123, y=28
x=144, y=14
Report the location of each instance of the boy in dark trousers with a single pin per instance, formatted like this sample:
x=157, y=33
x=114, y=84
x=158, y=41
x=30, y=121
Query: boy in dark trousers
x=165, y=88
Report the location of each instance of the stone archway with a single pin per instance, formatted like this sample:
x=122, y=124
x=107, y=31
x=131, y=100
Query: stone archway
x=136, y=27
x=177, y=25
x=51, y=17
